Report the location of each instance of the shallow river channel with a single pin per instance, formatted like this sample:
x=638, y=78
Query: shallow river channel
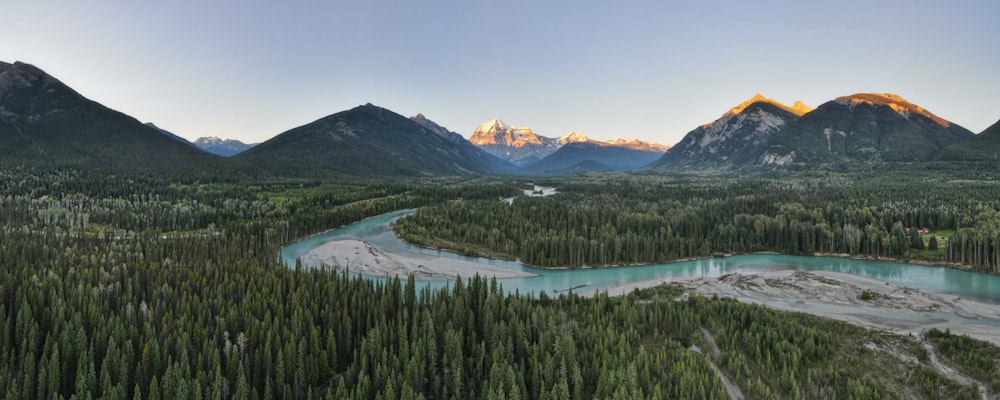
x=377, y=231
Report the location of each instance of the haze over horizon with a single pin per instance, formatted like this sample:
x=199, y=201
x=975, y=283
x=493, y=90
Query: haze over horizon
x=250, y=70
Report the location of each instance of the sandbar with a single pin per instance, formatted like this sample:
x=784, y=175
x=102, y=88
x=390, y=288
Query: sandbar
x=837, y=295
x=361, y=257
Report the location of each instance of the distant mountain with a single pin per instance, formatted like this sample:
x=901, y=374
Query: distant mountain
x=522, y=147
x=493, y=162
x=366, y=141
x=865, y=128
x=45, y=124
x=636, y=144
x=983, y=147
x=222, y=147
x=211, y=144
x=573, y=137
x=518, y=145
x=736, y=138
x=574, y=157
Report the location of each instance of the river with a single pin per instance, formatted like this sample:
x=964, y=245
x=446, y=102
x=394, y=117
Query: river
x=377, y=231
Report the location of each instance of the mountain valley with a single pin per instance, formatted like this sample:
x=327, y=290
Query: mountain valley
x=850, y=251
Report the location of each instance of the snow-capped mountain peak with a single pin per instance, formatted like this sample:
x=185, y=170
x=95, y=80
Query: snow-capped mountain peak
x=494, y=125
x=210, y=140
x=516, y=144
x=573, y=137
x=496, y=131
x=521, y=146
x=222, y=147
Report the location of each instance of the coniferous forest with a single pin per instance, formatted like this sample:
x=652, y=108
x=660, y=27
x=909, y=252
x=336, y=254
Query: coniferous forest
x=641, y=220
x=129, y=287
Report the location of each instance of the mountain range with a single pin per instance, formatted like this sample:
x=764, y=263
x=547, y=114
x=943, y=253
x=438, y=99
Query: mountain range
x=517, y=145
x=579, y=157
x=860, y=129
x=45, y=124
x=573, y=152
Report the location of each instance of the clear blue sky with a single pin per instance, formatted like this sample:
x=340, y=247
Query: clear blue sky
x=250, y=69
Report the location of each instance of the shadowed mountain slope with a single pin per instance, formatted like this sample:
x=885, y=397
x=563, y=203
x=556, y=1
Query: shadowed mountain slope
x=365, y=141
x=45, y=124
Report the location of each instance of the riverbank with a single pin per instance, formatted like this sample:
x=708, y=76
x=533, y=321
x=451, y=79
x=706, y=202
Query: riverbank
x=498, y=256
x=371, y=248
x=851, y=298
x=943, y=264
x=361, y=257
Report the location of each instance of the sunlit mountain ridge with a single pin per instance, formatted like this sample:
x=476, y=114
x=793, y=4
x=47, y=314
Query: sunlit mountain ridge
x=46, y=124
x=863, y=128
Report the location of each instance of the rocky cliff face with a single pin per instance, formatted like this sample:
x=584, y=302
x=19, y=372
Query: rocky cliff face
x=737, y=137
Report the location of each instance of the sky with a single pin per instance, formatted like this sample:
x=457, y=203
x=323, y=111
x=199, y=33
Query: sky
x=651, y=70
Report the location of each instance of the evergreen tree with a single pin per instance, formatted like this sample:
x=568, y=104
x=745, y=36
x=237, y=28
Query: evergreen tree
x=916, y=242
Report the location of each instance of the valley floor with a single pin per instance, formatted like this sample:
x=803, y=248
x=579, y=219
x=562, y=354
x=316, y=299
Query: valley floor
x=855, y=299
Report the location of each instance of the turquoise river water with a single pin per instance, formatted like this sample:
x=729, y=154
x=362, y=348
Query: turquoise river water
x=378, y=232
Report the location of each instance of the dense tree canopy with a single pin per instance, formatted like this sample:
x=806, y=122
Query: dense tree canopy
x=632, y=220
x=124, y=287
